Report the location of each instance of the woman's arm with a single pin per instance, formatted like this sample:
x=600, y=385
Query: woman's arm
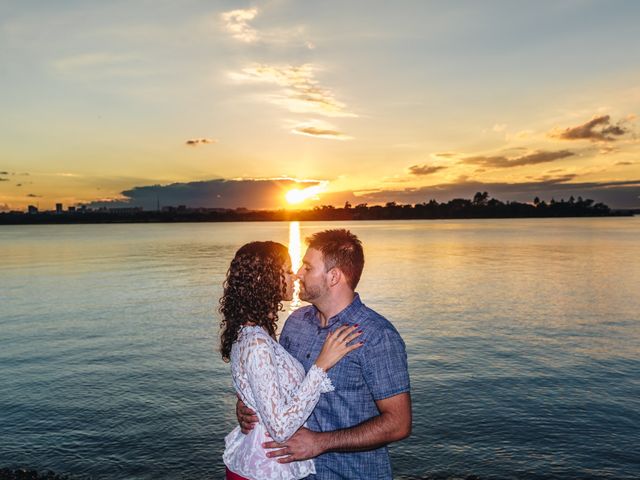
x=281, y=414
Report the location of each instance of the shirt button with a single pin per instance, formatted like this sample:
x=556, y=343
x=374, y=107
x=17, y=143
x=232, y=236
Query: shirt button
x=308, y=355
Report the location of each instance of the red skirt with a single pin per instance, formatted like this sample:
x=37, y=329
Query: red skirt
x=233, y=476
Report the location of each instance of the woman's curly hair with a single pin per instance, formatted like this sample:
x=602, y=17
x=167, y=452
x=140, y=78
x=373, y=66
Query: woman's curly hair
x=253, y=291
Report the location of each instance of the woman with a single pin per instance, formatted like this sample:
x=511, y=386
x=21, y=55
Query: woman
x=265, y=376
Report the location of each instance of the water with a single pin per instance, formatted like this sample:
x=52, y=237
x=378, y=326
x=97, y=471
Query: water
x=523, y=339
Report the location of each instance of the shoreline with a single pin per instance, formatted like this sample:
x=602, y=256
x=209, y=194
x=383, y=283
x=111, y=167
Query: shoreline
x=30, y=474
x=200, y=217
x=480, y=207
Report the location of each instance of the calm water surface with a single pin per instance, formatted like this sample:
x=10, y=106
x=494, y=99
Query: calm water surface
x=523, y=339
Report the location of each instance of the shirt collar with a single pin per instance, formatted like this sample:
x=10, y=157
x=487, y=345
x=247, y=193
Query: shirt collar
x=344, y=315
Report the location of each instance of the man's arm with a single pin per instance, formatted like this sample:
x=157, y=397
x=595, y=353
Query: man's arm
x=247, y=418
x=393, y=424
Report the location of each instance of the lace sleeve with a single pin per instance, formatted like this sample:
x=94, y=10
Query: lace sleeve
x=280, y=413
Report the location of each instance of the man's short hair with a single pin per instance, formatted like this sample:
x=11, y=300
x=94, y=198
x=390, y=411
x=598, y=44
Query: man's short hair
x=340, y=249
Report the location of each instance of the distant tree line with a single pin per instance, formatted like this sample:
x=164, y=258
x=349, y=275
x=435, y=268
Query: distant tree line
x=480, y=206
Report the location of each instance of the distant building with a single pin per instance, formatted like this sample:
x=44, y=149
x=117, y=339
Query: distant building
x=125, y=210
x=71, y=209
x=170, y=208
x=58, y=208
x=32, y=209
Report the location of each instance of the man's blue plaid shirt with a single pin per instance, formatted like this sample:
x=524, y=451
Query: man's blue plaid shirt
x=375, y=371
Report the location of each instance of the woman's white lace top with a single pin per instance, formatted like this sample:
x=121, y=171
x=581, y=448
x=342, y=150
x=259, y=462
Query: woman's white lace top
x=273, y=384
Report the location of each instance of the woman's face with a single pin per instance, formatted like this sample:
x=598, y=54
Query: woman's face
x=289, y=278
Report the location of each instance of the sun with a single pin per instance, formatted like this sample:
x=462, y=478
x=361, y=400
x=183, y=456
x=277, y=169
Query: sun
x=295, y=196
x=298, y=195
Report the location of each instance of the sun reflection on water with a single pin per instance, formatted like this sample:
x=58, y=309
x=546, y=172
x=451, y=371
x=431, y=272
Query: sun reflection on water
x=296, y=261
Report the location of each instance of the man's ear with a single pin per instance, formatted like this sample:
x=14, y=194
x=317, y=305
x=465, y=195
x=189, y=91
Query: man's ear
x=335, y=274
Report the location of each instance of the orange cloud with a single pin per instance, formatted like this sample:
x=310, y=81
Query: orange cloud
x=425, y=169
x=194, y=142
x=319, y=130
x=504, y=162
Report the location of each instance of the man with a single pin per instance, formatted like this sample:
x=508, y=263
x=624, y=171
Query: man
x=371, y=405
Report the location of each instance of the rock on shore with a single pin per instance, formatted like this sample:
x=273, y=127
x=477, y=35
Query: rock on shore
x=24, y=474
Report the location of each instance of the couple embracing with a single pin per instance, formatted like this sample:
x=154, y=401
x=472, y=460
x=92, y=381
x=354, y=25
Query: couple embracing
x=324, y=401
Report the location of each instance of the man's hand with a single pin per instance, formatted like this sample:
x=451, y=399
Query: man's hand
x=304, y=444
x=393, y=424
x=246, y=417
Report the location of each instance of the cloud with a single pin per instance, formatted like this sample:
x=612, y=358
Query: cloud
x=4, y=207
x=64, y=174
x=218, y=193
x=529, y=159
x=102, y=64
x=397, y=179
x=33, y=195
x=499, y=127
x=300, y=92
x=269, y=193
x=625, y=163
x=599, y=129
x=445, y=154
x=194, y=142
x=607, y=148
x=524, y=134
x=237, y=23
x=554, y=179
x=425, y=169
x=317, y=132
x=4, y=173
x=4, y=179
x=318, y=129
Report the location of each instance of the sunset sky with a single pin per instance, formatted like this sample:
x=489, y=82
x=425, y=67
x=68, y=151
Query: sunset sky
x=228, y=104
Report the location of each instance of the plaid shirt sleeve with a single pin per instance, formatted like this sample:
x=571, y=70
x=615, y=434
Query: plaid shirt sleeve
x=385, y=366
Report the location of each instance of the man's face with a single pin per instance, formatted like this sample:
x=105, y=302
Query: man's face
x=313, y=279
